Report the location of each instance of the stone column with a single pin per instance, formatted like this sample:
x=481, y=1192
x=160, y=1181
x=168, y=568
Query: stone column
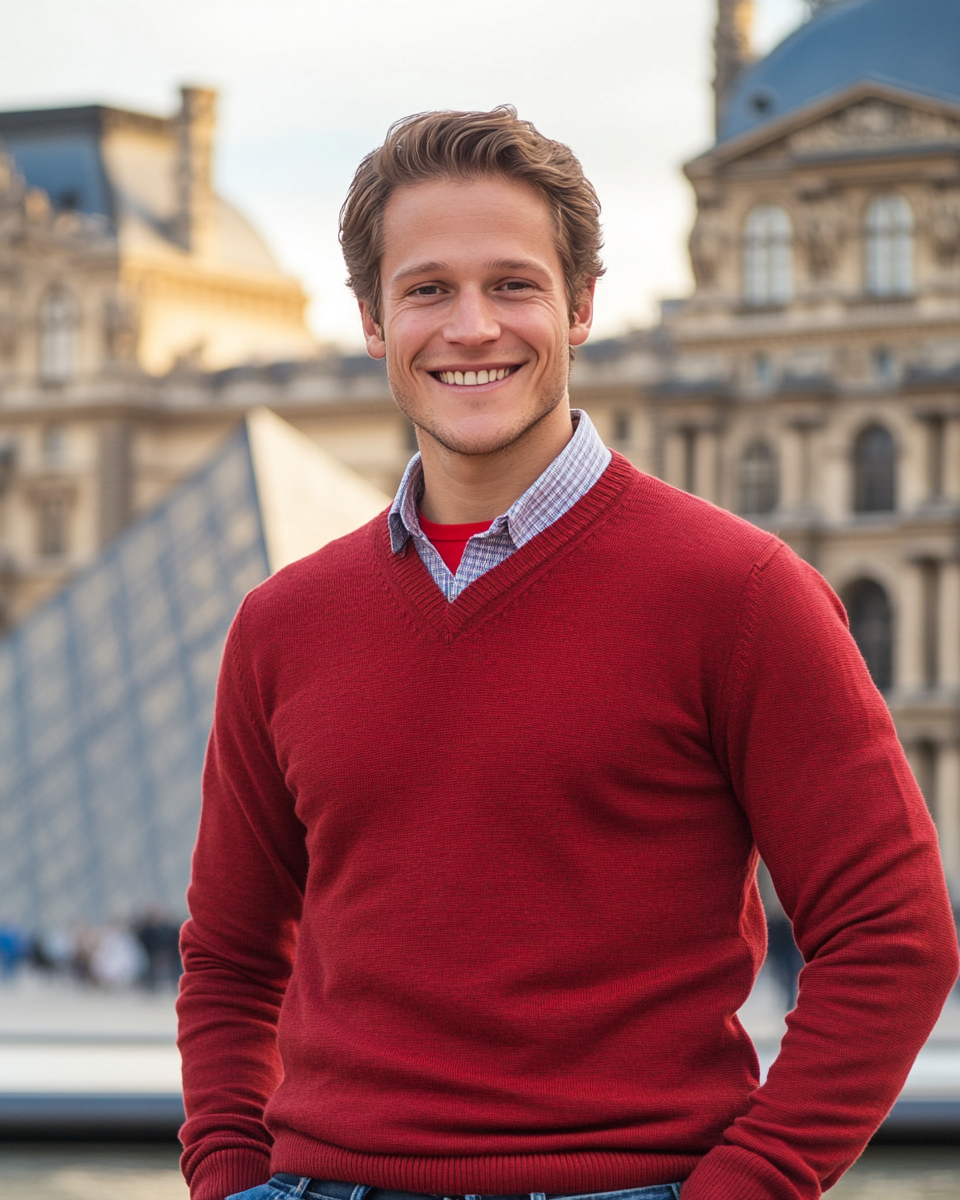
x=674, y=457
x=908, y=650
x=947, y=809
x=795, y=483
x=706, y=481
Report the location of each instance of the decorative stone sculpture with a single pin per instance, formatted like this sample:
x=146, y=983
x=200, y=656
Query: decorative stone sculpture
x=708, y=246
x=121, y=327
x=822, y=230
x=944, y=228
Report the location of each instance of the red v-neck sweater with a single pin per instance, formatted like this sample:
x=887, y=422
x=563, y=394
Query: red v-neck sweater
x=474, y=902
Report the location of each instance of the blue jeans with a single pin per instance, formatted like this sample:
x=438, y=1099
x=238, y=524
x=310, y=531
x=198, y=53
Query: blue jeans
x=293, y=1187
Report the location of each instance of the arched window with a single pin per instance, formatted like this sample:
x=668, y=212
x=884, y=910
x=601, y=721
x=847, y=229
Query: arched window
x=874, y=471
x=889, y=247
x=768, y=256
x=759, y=479
x=871, y=623
x=58, y=337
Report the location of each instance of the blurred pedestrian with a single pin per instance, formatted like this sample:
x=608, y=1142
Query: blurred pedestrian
x=117, y=960
x=55, y=951
x=14, y=945
x=159, y=936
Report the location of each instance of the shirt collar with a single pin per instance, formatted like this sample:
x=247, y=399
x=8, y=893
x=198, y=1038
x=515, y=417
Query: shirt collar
x=575, y=469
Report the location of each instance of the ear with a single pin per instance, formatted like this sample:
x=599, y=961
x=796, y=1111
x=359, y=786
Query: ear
x=582, y=317
x=373, y=334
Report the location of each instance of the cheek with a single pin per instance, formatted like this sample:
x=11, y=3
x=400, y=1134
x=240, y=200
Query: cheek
x=405, y=337
x=550, y=338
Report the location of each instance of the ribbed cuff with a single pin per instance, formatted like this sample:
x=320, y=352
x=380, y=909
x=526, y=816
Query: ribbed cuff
x=225, y=1172
x=732, y=1173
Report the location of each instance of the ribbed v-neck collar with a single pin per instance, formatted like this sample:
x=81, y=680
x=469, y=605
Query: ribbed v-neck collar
x=416, y=591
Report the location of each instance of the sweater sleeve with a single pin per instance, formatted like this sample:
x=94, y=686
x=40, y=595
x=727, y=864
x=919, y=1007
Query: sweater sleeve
x=238, y=946
x=812, y=754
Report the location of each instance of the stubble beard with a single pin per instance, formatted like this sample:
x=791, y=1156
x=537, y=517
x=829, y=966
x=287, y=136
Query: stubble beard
x=549, y=395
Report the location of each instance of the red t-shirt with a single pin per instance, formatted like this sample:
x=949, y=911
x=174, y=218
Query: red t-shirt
x=450, y=541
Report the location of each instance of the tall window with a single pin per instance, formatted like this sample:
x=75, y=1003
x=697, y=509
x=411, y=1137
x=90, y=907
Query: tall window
x=889, y=247
x=53, y=444
x=768, y=256
x=54, y=515
x=58, y=337
x=759, y=479
x=874, y=471
x=871, y=623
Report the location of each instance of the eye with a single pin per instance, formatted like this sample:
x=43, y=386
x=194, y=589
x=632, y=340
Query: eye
x=427, y=289
x=516, y=285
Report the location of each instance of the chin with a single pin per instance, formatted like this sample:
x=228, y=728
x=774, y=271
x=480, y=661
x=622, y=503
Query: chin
x=488, y=439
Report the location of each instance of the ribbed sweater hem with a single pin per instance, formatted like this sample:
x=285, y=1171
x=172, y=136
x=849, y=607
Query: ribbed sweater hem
x=226, y=1172
x=568, y=1174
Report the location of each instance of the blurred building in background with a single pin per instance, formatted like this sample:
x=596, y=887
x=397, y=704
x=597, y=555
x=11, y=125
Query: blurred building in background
x=811, y=383
x=118, y=264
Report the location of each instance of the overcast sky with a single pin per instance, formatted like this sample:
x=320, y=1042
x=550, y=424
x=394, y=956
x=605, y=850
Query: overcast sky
x=308, y=86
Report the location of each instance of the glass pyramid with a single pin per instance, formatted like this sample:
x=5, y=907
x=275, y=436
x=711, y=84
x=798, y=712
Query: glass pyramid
x=106, y=691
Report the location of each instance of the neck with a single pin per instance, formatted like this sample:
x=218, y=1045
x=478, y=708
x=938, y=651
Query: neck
x=460, y=489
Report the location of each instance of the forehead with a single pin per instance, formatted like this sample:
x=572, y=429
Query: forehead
x=454, y=220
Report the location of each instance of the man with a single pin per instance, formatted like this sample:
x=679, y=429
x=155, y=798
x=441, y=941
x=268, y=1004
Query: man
x=474, y=900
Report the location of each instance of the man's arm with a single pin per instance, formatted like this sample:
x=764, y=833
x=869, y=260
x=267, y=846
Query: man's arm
x=811, y=751
x=245, y=898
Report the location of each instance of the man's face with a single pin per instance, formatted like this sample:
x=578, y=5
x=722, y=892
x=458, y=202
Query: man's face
x=476, y=327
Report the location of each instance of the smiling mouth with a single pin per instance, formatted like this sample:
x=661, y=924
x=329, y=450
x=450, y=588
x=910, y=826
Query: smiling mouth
x=474, y=378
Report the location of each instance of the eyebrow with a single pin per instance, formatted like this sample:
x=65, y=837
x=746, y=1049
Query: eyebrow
x=438, y=268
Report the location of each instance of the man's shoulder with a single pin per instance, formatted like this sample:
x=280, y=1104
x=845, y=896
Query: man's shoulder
x=329, y=575
x=684, y=532
x=722, y=573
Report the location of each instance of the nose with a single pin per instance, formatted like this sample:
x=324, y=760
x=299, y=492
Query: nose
x=472, y=320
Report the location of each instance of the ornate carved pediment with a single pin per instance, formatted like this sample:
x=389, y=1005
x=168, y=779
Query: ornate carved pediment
x=874, y=124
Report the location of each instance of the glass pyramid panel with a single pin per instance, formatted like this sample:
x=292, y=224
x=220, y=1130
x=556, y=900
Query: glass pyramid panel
x=106, y=695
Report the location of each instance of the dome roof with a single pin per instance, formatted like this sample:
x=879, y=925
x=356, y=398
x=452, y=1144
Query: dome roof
x=910, y=44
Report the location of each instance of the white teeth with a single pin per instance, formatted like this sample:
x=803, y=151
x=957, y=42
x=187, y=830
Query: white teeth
x=473, y=378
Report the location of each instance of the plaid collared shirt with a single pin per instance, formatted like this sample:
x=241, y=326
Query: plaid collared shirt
x=571, y=475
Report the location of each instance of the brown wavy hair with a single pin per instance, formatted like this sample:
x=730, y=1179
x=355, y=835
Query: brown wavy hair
x=462, y=146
